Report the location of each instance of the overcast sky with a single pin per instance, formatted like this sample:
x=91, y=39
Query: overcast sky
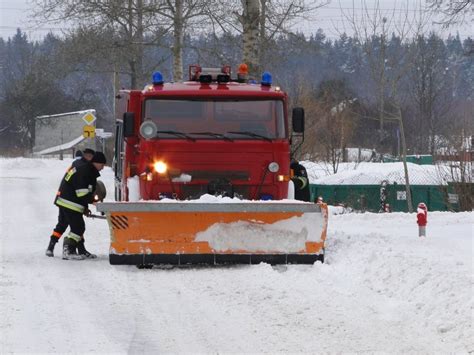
x=14, y=14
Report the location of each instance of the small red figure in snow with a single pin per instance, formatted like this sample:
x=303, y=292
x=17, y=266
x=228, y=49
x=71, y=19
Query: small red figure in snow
x=387, y=208
x=422, y=219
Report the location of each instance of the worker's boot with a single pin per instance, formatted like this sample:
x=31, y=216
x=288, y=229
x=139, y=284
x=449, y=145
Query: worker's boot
x=81, y=249
x=52, y=243
x=69, y=250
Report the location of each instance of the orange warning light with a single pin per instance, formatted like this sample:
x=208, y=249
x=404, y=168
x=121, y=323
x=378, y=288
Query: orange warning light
x=243, y=69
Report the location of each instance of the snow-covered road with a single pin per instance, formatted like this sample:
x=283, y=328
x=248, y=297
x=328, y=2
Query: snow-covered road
x=382, y=288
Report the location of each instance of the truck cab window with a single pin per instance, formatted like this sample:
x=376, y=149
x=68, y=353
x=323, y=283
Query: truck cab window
x=263, y=117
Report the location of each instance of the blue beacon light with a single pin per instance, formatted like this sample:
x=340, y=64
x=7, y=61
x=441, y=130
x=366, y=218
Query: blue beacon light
x=266, y=79
x=157, y=78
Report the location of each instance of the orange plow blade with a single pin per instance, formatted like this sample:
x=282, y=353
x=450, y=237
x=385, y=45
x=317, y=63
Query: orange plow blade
x=179, y=233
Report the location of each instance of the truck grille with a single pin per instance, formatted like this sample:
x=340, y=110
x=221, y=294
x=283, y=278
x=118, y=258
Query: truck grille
x=219, y=175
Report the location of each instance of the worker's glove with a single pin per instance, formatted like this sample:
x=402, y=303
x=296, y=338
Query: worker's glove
x=87, y=212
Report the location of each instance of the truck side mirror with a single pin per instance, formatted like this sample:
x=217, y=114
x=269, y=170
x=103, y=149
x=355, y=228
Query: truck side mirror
x=128, y=124
x=298, y=119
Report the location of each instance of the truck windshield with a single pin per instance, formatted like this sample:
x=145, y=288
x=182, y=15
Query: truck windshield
x=220, y=117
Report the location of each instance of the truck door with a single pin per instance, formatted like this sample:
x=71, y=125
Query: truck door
x=118, y=160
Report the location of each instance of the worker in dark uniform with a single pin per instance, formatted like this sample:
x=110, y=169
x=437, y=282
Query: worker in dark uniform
x=79, y=158
x=88, y=154
x=78, y=155
x=75, y=193
x=301, y=181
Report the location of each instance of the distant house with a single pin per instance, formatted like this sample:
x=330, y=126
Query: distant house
x=56, y=134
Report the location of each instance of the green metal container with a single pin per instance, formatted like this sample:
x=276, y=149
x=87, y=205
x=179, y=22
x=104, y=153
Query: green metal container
x=367, y=197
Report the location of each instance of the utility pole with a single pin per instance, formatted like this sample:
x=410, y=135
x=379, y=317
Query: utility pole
x=116, y=88
x=398, y=117
x=382, y=82
x=404, y=158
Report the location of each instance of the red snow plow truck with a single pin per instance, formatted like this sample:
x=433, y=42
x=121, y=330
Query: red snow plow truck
x=202, y=175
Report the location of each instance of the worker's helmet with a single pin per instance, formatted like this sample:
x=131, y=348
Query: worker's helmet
x=99, y=157
x=422, y=206
x=100, y=191
x=298, y=169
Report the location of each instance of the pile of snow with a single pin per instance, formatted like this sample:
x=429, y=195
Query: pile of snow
x=366, y=173
x=381, y=290
x=286, y=236
x=206, y=198
x=133, y=184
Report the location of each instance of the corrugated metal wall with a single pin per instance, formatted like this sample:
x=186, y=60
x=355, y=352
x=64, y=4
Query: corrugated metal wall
x=367, y=197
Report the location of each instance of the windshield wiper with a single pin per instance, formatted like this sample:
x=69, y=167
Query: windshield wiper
x=179, y=134
x=212, y=134
x=251, y=134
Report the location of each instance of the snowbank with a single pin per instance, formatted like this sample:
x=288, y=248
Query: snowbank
x=287, y=236
x=381, y=290
x=366, y=173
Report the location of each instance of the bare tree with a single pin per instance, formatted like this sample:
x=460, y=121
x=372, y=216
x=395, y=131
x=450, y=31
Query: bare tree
x=250, y=34
x=259, y=22
x=372, y=29
x=453, y=12
x=331, y=122
x=128, y=21
x=455, y=160
x=27, y=65
x=430, y=89
x=178, y=16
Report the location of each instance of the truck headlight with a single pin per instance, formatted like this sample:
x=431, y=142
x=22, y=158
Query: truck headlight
x=273, y=167
x=160, y=167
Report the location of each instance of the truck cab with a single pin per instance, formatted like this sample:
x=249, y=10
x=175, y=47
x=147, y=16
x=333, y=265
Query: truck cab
x=209, y=135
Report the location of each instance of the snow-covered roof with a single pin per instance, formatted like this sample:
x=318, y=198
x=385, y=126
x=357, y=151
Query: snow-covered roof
x=83, y=112
x=61, y=147
x=366, y=173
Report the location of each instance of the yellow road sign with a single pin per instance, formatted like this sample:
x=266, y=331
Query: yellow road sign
x=88, y=131
x=89, y=118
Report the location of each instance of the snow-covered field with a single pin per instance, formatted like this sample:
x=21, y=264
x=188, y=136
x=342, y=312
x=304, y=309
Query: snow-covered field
x=382, y=288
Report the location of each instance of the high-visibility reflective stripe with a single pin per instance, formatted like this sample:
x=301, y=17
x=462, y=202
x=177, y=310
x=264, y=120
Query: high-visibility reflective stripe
x=82, y=192
x=57, y=234
x=70, y=205
x=74, y=236
x=69, y=174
